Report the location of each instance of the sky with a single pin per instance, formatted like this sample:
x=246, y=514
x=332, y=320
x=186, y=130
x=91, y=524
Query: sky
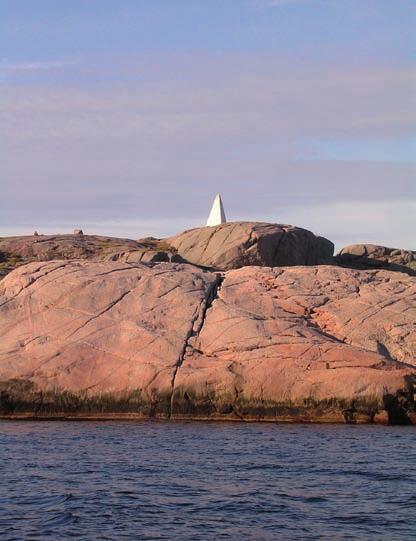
x=126, y=117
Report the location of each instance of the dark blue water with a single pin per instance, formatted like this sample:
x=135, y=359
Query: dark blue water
x=197, y=481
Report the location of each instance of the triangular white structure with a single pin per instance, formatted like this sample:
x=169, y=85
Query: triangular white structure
x=217, y=214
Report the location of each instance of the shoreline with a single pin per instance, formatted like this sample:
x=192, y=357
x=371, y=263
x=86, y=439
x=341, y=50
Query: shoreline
x=381, y=418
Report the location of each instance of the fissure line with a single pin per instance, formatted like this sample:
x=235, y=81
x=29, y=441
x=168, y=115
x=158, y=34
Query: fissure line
x=195, y=328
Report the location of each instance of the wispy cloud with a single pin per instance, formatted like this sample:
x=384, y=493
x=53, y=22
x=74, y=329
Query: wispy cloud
x=134, y=153
x=374, y=222
x=283, y=3
x=278, y=104
x=277, y=3
x=34, y=66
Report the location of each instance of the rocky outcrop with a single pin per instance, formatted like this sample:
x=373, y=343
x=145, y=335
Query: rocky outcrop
x=76, y=246
x=236, y=244
x=16, y=251
x=103, y=339
x=228, y=246
x=48, y=247
x=366, y=256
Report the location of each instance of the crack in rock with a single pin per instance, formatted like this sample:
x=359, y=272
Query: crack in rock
x=103, y=311
x=197, y=322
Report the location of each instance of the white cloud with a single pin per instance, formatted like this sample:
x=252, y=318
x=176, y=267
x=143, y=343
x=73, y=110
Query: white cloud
x=386, y=223
x=383, y=223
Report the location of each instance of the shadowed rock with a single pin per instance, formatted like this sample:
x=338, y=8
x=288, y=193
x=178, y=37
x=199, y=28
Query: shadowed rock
x=146, y=256
x=368, y=256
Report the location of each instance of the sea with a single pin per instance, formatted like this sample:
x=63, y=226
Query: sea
x=206, y=481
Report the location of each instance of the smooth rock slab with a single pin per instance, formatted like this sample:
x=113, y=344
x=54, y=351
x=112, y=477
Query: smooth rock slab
x=94, y=328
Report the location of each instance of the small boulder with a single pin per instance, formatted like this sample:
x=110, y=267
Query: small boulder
x=145, y=256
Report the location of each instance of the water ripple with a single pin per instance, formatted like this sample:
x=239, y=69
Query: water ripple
x=196, y=481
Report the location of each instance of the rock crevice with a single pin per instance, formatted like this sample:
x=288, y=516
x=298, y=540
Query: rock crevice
x=196, y=325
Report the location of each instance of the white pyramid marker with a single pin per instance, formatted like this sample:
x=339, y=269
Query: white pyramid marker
x=217, y=214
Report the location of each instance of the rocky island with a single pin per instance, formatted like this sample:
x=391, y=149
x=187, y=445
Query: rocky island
x=239, y=321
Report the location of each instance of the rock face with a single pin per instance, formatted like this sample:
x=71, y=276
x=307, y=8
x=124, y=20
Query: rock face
x=104, y=339
x=236, y=244
x=99, y=328
x=373, y=256
x=298, y=337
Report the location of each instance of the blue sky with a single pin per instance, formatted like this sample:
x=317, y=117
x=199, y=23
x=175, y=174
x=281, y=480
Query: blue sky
x=126, y=117
x=377, y=29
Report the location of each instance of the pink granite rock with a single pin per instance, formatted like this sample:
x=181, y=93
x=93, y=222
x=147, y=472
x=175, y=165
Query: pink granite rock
x=97, y=328
x=16, y=251
x=236, y=244
x=281, y=339
x=99, y=339
x=373, y=256
x=76, y=246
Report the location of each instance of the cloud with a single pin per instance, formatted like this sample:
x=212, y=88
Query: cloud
x=153, y=152
x=387, y=223
x=274, y=3
x=380, y=222
x=34, y=66
x=262, y=98
x=281, y=3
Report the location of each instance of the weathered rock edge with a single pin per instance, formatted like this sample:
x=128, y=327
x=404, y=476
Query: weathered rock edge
x=192, y=379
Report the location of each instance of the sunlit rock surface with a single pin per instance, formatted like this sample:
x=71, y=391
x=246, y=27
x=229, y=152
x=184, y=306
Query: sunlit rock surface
x=102, y=339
